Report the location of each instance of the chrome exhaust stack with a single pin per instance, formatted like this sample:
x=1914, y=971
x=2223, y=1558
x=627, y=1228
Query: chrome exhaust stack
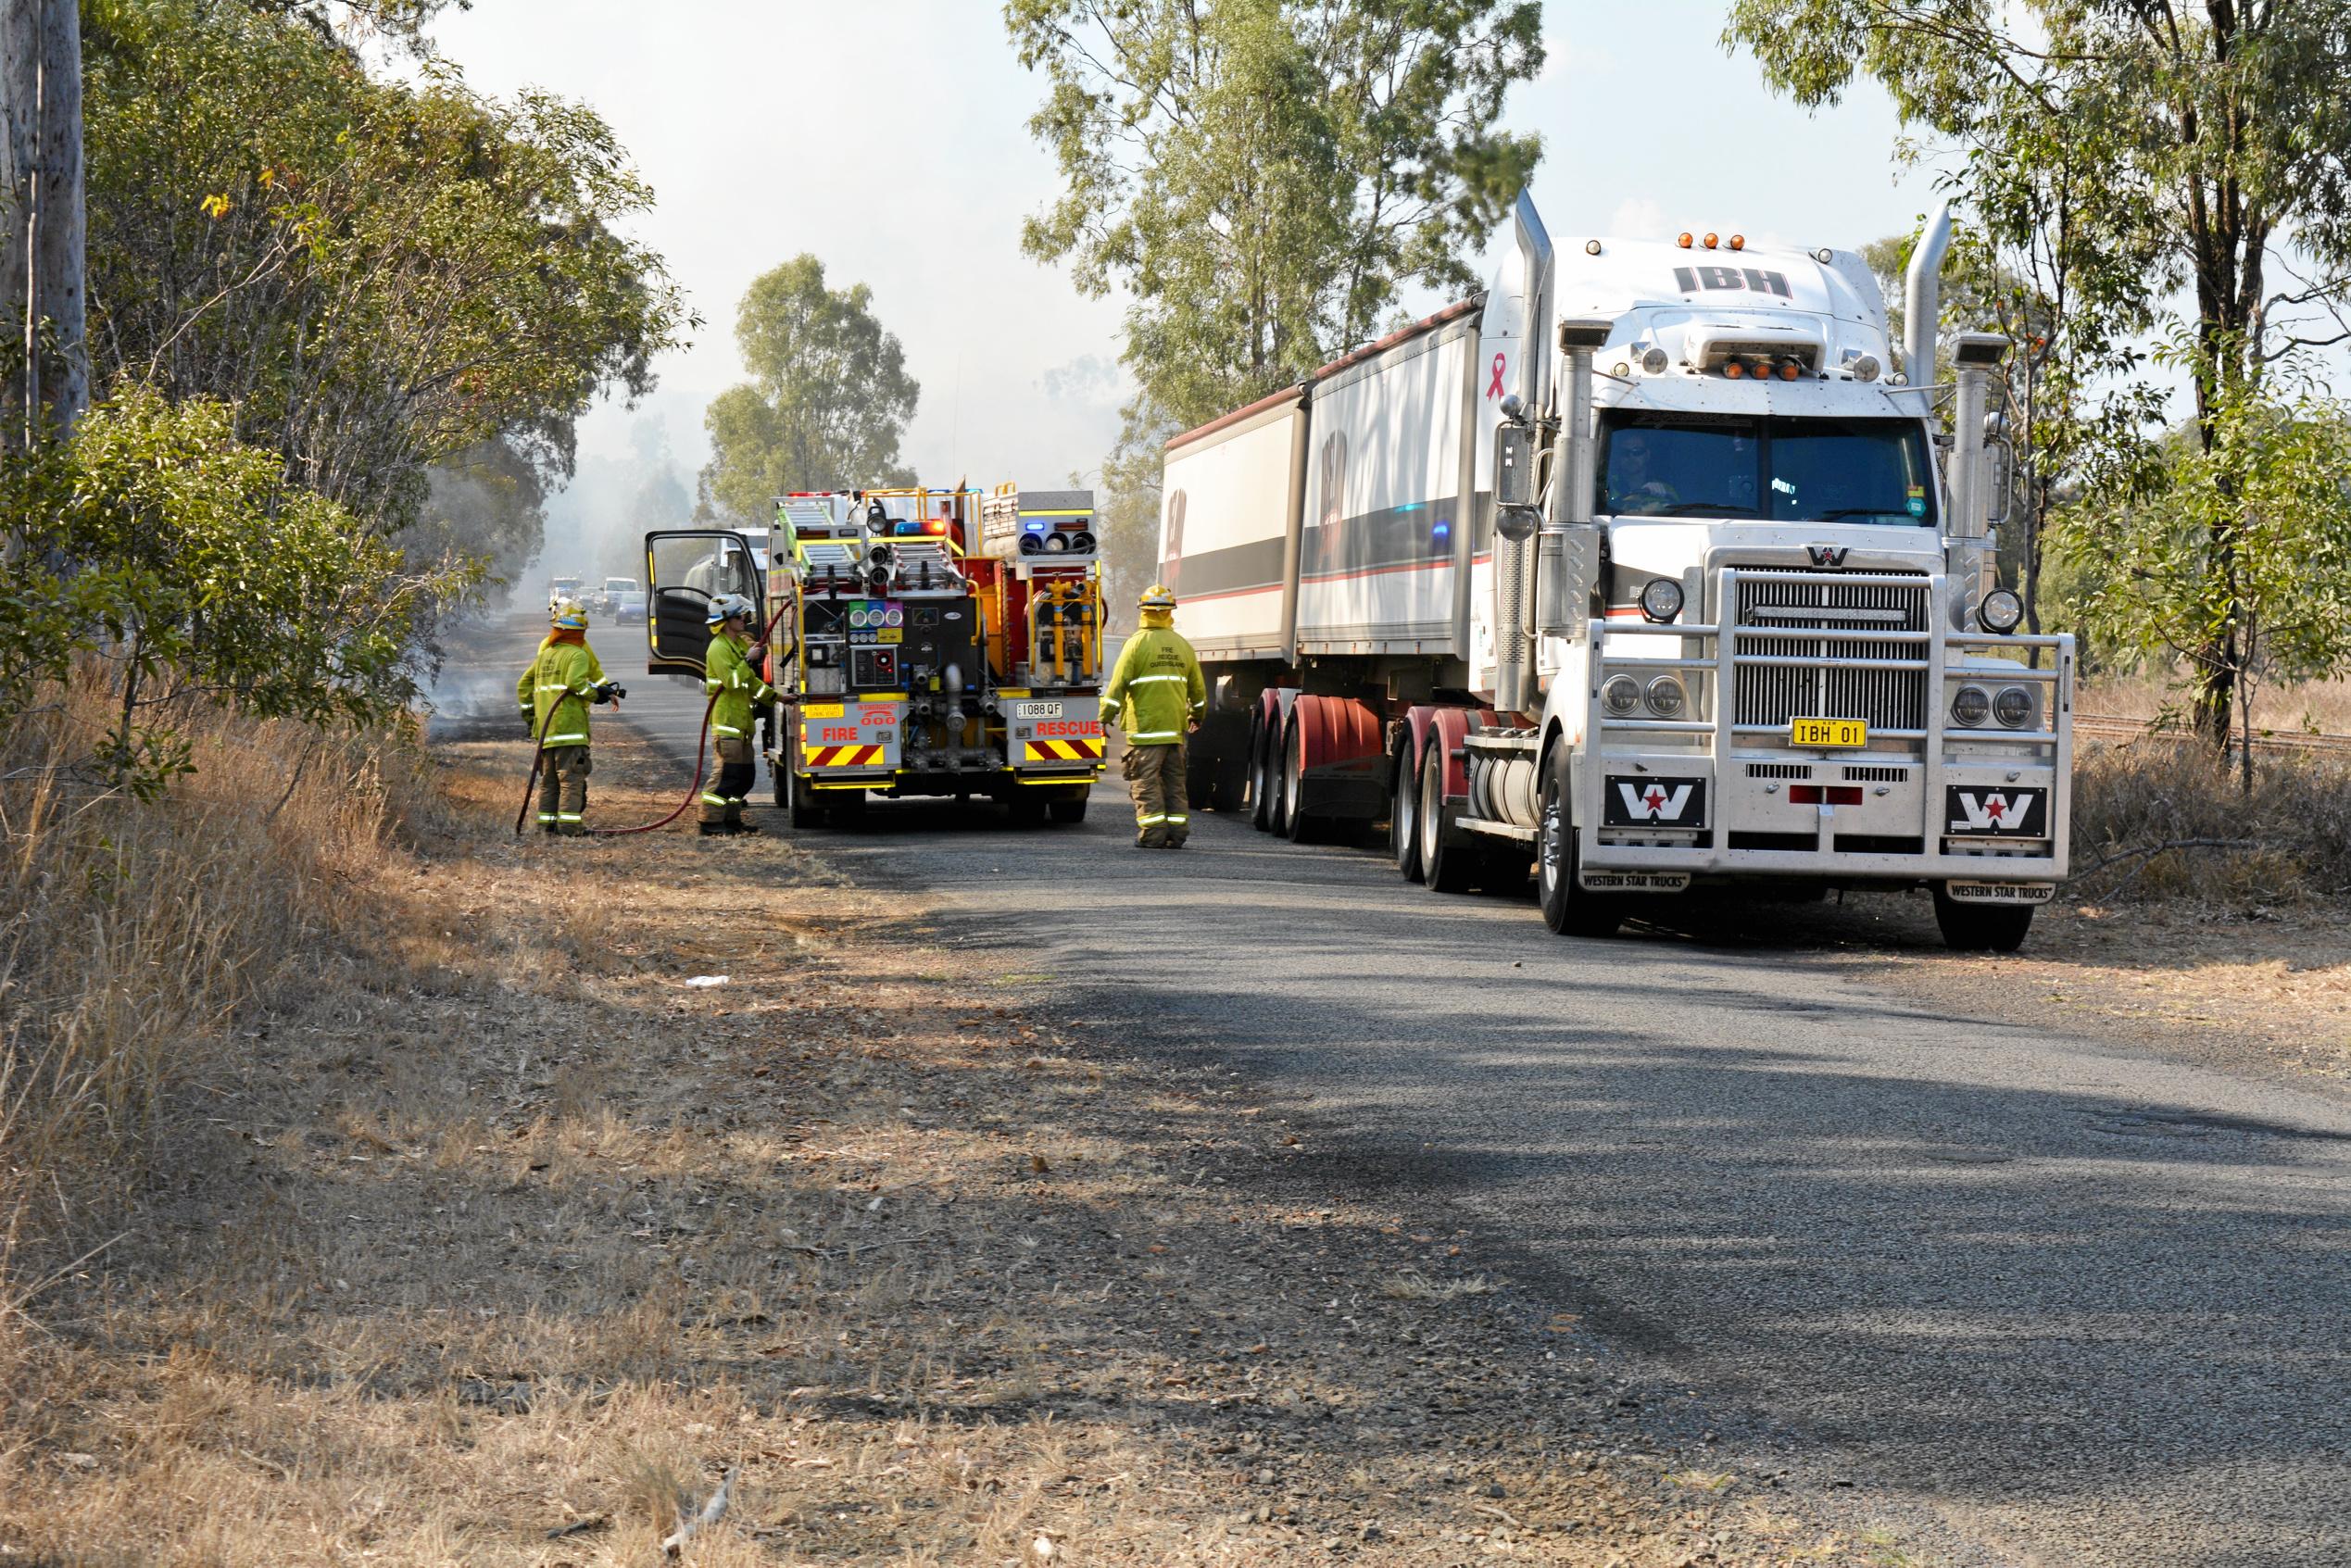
x=1513, y=558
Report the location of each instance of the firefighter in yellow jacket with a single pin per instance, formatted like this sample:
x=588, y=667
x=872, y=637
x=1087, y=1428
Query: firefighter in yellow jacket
x=555, y=693
x=736, y=695
x=1157, y=694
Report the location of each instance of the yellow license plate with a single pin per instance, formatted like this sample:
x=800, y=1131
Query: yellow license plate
x=1840, y=733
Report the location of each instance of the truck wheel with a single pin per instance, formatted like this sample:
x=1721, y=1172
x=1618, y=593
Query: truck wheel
x=792, y=791
x=1270, y=797
x=1068, y=809
x=1443, y=868
x=845, y=807
x=1567, y=908
x=1403, y=809
x=1026, y=807
x=1297, y=826
x=1981, y=928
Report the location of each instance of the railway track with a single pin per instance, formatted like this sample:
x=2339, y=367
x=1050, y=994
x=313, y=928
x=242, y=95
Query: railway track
x=2112, y=726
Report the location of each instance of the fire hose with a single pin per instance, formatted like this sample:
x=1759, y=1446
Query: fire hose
x=538, y=758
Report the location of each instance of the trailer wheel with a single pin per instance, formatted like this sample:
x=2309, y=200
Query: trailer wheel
x=1443, y=868
x=1567, y=908
x=1297, y=825
x=1404, y=807
x=1981, y=928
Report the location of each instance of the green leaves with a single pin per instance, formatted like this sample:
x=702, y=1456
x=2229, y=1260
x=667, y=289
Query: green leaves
x=2228, y=555
x=1263, y=176
x=392, y=272
x=828, y=402
x=188, y=565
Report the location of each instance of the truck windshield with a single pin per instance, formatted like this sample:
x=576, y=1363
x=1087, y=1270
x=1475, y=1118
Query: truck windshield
x=1784, y=470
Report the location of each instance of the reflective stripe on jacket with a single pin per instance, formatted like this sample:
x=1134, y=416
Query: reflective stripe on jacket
x=1157, y=691
x=733, y=686
x=556, y=690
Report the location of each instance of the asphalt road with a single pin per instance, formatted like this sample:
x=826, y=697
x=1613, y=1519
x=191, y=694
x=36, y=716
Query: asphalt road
x=2045, y=1300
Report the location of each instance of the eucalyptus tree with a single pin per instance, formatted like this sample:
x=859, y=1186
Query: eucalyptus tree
x=1264, y=177
x=828, y=398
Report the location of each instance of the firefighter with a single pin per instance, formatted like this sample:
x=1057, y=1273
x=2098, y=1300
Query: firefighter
x=736, y=695
x=555, y=693
x=1157, y=694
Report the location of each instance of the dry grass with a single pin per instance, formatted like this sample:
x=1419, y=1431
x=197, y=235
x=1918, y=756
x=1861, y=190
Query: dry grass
x=2288, y=841
x=512, y=1232
x=2319, y=706
x=132, y=935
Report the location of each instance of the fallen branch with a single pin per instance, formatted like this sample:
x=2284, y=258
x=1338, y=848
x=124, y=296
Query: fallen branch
x=712, y=1511
x=854, y=1248
x=580, y=1526
x=1499, y=1513
x=2159, y=849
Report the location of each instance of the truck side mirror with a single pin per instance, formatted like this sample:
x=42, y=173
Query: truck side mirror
x=1514, y=466
x=2004, y=482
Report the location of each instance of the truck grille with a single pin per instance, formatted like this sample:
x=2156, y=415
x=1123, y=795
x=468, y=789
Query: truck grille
x=1828, y=688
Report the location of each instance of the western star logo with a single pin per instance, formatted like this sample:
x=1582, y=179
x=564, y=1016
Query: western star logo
x=1678, y=802
x=1827, y=555
x=2017, y=812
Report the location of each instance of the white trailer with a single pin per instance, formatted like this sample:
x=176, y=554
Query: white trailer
x=1641, y=571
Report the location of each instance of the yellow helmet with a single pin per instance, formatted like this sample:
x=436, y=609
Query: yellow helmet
x=568, y=616
x=1159, y=595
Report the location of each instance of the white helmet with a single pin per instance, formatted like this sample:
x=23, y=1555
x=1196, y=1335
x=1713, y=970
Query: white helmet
x=726, y=606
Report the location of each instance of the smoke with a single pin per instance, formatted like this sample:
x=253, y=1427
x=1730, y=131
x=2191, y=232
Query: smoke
x=596, y=525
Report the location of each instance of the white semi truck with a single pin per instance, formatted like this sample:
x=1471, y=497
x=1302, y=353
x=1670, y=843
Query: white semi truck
x=1643, y=571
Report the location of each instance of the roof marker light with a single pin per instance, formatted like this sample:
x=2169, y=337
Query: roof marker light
x=1683, y=241
x=1739, y=241
x=1591, y=247
x=1712, y=241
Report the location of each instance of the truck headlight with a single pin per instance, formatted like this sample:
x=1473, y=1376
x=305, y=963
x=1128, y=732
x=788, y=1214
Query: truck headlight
x=1970, y=705
x=1661, y=600
x=1621, y=695
x=2013, y=707
x=1666, y=699
x=2001, y=611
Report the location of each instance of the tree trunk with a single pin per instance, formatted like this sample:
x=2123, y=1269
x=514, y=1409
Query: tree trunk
x=40, y=218
x=59, y=236
x=20, y=121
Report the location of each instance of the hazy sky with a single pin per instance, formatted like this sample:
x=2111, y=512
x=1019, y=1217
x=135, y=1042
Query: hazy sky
x=889, y=138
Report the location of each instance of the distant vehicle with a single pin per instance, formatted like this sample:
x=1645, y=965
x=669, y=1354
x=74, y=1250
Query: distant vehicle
x=621, y=599
x=561, y=588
